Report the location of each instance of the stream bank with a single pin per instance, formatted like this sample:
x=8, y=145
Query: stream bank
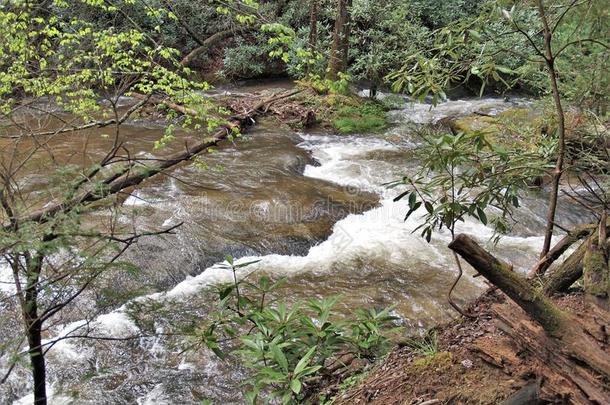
x=475, y=361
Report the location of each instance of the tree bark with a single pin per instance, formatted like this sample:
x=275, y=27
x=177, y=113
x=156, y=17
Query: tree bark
x=338, y=53
x=33, y=326
x=37, y=361
x=564, y=379
x=313, y=24
x=564, y=244
x=549, y=59
x=577, y=342
x=562, y=278
x=206, y=45
x=595, y=268
x=516, y=287
x=347, y=29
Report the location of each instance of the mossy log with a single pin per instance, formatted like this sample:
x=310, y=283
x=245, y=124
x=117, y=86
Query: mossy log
x=595, y=271
x=564, y=244
x=562, y=278
x=568, y=272
x=573, y=344
x=563, y=378
x=516, y=287
x=595, y=268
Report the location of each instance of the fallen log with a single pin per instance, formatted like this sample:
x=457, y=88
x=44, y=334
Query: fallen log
x=564, y=379
x=207, y=44
x=516, y=287
x=562, y=340
x=562, y=278
x=528, y=395
x=595, y=268
x=564, y=244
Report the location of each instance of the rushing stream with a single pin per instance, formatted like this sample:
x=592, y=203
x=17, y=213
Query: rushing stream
x=310, y=207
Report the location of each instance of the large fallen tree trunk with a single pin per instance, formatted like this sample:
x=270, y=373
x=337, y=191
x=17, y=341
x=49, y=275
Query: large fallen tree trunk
x=568, y=272
x=564, y=244
x=207, y=44
x=563, y=341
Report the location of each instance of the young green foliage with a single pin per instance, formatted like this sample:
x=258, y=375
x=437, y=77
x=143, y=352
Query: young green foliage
x=286, y=348
x=466, y=175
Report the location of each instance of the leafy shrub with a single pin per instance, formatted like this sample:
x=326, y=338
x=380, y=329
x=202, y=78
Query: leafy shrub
x=247, y=59
x=287, y=348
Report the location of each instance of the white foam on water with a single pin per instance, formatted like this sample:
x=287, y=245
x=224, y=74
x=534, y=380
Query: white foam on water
x=7, y=281
x=116, y=324
x=380, y=234
x=52, y=399
x=63, y=346
x=156, y=396
x=136, y=199
x=420, y=113
x=377, y=235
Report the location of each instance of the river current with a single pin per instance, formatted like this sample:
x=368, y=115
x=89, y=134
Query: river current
x=310, y=207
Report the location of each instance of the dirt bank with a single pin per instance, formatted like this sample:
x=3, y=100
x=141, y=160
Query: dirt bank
x=470, y=361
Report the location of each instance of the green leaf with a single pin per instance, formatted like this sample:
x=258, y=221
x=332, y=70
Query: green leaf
x=295, y=386
x=229, y=259
x=279, y=357
x=304, y=361
x=429, y=207
x=413, y=209
x=412, y=199
x=401, y=195
x=237, y=266
x=482, y=215
x=225, y=292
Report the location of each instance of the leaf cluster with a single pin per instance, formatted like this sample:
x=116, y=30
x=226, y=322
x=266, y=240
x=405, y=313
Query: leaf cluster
x=288, y=348
x=467, y=175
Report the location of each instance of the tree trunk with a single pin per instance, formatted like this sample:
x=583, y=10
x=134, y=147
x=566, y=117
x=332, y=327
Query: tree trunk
x=338, y=53
x=564, y=379
x=516, y=287
x=207, y=44
x=313, y=30
x=33, y=326
x=36, y=354
x=577, y=342
x=347, y=28
x=564, y=244
x=561, y=150
x=562, y=278
x=313, y=24
x=595, y=268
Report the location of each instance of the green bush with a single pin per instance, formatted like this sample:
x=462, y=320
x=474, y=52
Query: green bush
x=288, y=348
